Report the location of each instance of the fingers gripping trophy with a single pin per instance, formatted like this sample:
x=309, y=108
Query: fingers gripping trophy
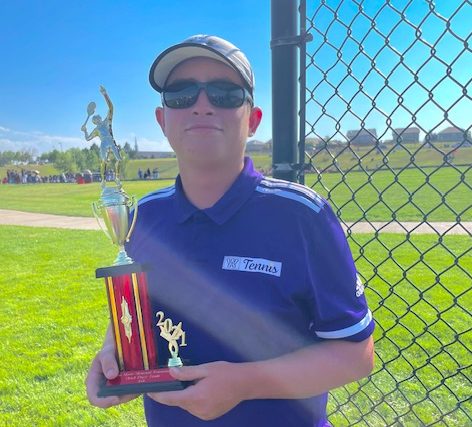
x=126, y=281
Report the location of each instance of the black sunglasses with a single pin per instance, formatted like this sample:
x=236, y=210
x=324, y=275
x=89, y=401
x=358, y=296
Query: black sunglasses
x=221, y=94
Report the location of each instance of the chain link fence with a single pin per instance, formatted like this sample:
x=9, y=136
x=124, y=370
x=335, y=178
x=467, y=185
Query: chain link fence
x=385, y=128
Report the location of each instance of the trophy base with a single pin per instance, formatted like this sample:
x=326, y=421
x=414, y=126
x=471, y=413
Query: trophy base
x=138, y=382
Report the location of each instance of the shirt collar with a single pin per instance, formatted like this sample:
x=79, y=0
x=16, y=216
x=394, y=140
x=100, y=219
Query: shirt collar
x=239, y=192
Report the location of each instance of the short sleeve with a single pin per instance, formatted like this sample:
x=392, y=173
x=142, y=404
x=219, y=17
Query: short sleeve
x=339, y=305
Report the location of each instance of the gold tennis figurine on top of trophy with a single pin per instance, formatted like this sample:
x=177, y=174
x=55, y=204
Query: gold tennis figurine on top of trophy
x=126, y=281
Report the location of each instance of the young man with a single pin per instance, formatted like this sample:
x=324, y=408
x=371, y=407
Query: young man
x=257, y=270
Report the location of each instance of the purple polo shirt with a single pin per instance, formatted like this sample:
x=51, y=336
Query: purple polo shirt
x=265, y=271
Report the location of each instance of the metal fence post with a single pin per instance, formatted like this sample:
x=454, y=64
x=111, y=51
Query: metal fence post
x=284, y=45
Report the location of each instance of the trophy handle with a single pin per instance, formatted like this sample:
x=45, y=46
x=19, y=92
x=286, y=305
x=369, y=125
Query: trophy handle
x=96, y=214
x=134, y=205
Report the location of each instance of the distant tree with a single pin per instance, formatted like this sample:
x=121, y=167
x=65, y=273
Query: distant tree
x=130, y=153
x=92, y=160
x=126, y=147
x=6, y=157
x=23, y=156
x=94, y=147
x=50, y=156
x=75, y=159
x=124, y=166
x=65, y=162
x=9, y=157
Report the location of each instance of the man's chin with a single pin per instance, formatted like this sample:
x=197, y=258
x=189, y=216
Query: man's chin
x=205, y=147
x=207, y=159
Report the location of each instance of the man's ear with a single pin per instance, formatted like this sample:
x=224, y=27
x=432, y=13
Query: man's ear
x=255, y=118
x=160, y=118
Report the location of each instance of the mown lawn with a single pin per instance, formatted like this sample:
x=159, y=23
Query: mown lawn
x=168, y=168
x=65, y=199
x=405, y=195
x=420, y=292
x=54, y=314
x=409, y=195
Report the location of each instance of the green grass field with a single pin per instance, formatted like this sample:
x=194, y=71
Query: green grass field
x=54, y=311
x=168, y=168
x=420, y=292
x=412, y=154
x=409, y=195
x=65, y=199
x=54, y=314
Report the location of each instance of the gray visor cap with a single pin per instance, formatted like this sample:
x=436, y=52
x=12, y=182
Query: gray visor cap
x=200, y=46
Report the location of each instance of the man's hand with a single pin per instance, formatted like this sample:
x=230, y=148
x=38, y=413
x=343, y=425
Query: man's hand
x=104, y=364
x=102, y=90
x=218, y=388
x=83, y=128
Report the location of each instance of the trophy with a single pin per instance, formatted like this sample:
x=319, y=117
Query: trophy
x=126, y=281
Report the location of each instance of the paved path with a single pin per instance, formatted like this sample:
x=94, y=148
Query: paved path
x=83, y=223
x=412, y=227
x=8, y=217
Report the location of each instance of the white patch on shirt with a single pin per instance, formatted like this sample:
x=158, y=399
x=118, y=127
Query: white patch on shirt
x=252, y=265
x=359, y=287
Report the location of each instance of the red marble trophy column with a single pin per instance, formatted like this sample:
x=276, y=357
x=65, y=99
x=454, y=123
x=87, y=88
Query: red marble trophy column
x=132, y=323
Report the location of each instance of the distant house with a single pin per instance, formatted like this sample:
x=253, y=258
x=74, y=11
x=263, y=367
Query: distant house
x=255, y=146
x=362, y=136
x=328, y=142
x=155, y=154
x=406, y=135
x=453, y=134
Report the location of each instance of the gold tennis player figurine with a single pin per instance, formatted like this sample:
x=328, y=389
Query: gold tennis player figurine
x=114, y=207
x=109, y=150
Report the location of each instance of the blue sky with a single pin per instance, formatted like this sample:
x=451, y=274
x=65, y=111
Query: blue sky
x=55, y=54
x=415, y=54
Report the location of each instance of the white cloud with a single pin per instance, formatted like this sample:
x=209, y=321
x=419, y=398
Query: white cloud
x=145, y=144
x=39, y=142
x=36, y=141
